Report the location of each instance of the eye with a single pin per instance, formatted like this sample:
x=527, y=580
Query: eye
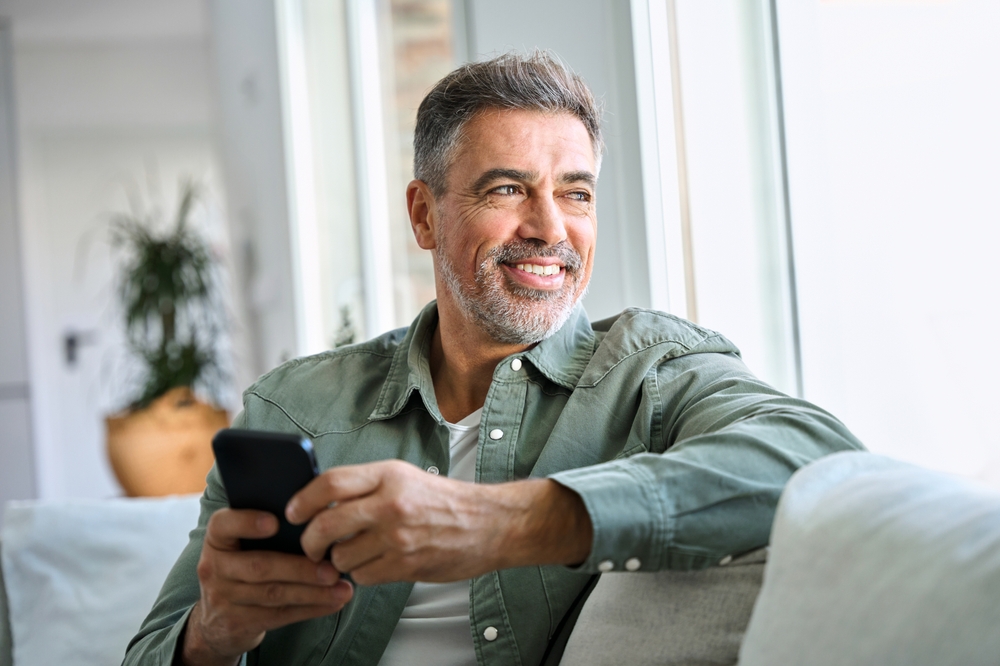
x=505, y=190
x=579, y=195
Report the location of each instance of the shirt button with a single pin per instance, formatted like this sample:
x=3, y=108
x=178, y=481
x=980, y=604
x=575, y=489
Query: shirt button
x=496, y=433
x=606, y=566
x=433, y=470
x=515, y=365
x=490, y=634
x=633, y=564
x=725, y=560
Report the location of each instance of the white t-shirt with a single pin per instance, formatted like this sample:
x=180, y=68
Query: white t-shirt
x=434, y=629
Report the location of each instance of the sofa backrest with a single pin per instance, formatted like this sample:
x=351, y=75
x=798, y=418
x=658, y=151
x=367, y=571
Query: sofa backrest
x=80, y=575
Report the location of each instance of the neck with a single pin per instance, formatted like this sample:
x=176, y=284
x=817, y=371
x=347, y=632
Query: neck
x=462, y=360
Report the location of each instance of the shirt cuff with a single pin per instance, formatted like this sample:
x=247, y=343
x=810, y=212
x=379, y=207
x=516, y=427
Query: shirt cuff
x=629, y=519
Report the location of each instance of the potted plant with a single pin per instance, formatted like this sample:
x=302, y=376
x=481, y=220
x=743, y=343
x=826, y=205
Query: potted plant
x=161, y=443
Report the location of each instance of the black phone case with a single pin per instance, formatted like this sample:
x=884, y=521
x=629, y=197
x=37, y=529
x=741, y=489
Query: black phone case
x=262, y=470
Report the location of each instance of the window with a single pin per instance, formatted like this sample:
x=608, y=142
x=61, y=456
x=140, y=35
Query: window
x=353, y=75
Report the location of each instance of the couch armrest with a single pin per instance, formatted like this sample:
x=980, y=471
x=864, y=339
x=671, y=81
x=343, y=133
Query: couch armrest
x=876, y=561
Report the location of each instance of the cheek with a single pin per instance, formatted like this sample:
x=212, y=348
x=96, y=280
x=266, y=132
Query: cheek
x=486, y=234
x=584, y=239
x=467, y=252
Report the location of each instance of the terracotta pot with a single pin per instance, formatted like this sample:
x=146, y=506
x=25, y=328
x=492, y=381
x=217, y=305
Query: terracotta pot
x=165, y=449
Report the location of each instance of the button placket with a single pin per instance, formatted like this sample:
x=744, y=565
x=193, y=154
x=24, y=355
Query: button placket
x=501, y=420
x=493, y=633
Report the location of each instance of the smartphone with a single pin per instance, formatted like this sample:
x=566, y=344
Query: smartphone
x=262, y=470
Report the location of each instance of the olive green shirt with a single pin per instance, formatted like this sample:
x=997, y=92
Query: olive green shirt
x=677, y=450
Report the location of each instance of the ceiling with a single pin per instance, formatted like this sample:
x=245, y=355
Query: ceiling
x=103, y=21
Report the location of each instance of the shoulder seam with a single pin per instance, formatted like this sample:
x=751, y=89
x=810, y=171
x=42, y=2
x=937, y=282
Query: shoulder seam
x=711, y=335
x=303, y=428
x=314, y=358
x=630, y=355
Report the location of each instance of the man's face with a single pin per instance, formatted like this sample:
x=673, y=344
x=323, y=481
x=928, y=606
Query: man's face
x=516, y=226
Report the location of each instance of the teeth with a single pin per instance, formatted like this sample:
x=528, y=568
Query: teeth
x=551, y=269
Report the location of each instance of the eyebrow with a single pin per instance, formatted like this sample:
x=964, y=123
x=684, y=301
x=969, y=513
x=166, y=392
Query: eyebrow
x=501, y=173
x=579, y=177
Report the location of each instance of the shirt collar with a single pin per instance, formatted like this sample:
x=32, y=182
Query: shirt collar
x=562, y=358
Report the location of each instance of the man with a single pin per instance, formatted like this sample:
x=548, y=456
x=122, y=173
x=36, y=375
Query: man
x=502, y=449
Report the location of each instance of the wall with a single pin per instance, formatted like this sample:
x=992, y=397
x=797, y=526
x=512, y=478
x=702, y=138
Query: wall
x=245, y=67
x=112, y=95
x=17, y=477
x=96, y=117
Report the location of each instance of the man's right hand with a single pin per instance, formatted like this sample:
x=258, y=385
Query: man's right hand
x=244, y=594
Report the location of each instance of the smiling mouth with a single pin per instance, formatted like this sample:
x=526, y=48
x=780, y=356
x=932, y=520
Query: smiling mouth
x=536, y=269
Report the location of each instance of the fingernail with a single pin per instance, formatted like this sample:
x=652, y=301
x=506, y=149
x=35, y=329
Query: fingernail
x=265, y=523
x=342, y=592
x=291, y=512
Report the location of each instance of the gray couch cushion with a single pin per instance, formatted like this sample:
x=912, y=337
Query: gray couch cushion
x=668, y=617
x=874, y=561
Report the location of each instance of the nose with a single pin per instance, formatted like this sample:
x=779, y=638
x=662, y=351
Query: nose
x=544, y=221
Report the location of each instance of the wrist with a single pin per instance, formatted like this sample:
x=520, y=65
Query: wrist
x=194, y=650
x=550, y=525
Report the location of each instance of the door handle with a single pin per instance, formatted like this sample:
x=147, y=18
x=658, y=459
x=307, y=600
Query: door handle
x=73, y=340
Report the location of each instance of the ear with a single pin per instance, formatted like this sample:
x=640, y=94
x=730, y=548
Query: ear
x=423, y=219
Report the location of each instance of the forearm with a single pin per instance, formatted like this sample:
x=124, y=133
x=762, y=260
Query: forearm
x=708, y=481
x=708, y=497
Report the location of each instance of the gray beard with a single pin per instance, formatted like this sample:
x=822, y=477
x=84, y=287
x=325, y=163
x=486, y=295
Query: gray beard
x=510, y=313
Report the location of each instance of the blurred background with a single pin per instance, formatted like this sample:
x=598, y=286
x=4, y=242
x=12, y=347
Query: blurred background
x=818, y=180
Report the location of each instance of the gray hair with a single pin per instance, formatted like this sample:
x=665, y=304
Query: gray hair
x=534, y=82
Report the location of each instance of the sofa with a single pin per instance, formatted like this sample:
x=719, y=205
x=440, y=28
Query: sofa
x=871, y=561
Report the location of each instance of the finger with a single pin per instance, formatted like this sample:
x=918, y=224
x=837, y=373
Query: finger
x=357, y=551
x=285, y=616
x=334, y=485
x=263, y=566
x=227, y=526
x=273, y=618
x=380, y=570
x=281, y=595
x=337, y=523
x=252, y=620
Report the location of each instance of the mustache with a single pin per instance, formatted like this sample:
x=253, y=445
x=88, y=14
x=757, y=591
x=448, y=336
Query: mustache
x=518, y=250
